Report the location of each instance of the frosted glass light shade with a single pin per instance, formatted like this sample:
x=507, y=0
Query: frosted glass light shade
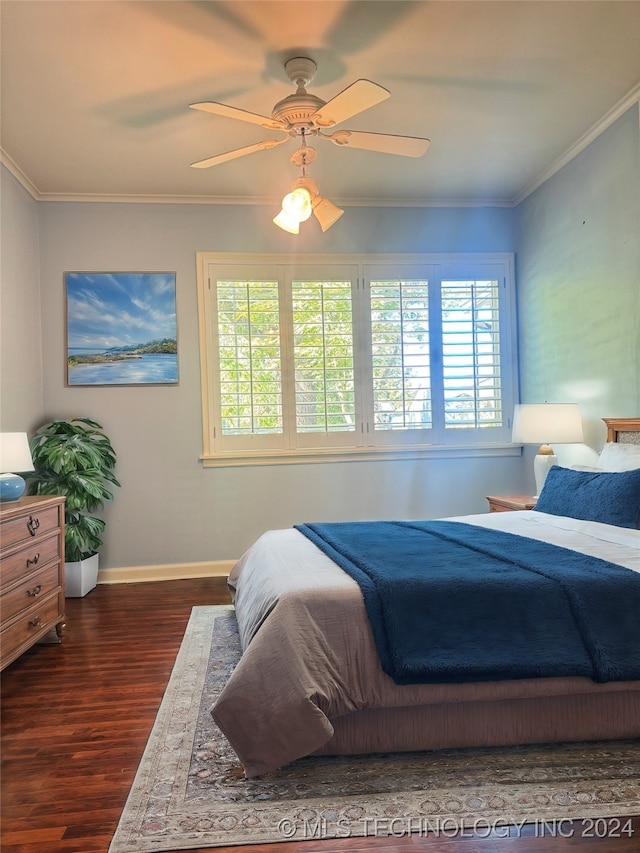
x=326, y=212
x=298, y=204
x=287, y=223
x=15, y=455
x=296, y=208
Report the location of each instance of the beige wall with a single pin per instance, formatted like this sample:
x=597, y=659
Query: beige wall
x=21, y=403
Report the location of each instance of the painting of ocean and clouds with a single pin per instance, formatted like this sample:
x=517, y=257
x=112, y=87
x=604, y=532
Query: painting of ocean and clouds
x=121, y=328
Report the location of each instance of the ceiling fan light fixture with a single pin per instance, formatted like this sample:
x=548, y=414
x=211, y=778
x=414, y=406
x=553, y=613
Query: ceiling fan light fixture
x=304, y=199
x=297, y=204
x=326, y=212
x=288, y=223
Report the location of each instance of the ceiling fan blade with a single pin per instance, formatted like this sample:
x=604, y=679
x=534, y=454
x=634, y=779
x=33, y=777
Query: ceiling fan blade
x=326, y=212
x=238, y=152
x=356, y=98
x=235, y=112
x=384, y=143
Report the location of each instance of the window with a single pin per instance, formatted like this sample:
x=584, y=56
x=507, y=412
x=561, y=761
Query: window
x=306, y=358
x=400, y=356
x=323, y=362
x=250, y=395
x=471, y=369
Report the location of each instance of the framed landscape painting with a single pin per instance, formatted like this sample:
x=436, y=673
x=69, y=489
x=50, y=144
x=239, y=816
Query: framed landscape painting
x=121, y=328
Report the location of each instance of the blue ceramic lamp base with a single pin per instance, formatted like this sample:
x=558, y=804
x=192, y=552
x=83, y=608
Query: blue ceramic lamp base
x=12, y=487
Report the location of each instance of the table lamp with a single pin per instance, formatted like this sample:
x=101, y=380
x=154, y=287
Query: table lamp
x=544, y=424
x=15, y=455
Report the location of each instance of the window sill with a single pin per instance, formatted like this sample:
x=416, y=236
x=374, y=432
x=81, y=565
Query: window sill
x=357, y=454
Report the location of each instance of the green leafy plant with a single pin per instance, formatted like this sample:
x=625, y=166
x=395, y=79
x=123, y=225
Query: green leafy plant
x=75, y=459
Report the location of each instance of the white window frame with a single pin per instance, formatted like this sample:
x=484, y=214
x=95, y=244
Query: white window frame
x=366, y=442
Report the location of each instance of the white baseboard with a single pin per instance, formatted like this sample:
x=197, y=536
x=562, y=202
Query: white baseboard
x=169, y=572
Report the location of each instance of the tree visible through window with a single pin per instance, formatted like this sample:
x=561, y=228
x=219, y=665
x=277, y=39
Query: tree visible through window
x=249, y=354
x=352, y=353
x=400, y=354
x=323, y=356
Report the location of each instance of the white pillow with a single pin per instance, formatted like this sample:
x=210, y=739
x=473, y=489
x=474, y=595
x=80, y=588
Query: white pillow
x=619, y=457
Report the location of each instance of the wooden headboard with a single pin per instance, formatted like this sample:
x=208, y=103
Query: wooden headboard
x=623, y=430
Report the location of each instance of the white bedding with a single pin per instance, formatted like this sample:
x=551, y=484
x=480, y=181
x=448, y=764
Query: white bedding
x=615, y=544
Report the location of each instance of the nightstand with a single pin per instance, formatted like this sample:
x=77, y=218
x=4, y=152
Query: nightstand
x=509, y=503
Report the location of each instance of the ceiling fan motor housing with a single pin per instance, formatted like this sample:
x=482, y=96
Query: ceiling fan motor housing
x=300, y=70
x=295, y=110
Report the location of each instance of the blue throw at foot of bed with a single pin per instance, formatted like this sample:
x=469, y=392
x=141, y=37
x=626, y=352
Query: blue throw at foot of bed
x=452, y=602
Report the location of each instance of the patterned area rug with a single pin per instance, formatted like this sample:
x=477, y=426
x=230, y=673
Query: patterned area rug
x=190, y=790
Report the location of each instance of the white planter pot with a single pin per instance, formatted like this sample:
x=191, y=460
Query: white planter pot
x=81, y=577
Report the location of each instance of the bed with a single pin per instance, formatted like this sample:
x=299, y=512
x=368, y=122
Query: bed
x=311, y=679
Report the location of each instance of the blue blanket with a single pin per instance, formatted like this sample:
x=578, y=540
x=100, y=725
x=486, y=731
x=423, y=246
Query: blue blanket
x=453, y=602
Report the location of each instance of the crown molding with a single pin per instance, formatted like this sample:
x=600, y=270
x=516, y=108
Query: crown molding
x=113, y=198
x=11, y=166
x=105, y=198
x=109, y=198
x=632, y=97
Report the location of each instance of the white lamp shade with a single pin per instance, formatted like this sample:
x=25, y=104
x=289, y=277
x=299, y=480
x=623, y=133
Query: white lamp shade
x=15, y=455
x=542, y=424
x=15, y=458
x=547, y=423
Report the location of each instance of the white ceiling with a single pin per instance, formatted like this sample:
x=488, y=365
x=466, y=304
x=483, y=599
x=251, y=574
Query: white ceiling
x=95, y=95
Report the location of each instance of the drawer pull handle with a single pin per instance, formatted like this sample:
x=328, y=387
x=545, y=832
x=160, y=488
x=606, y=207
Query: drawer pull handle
x=32, y=593
x=33, y=562
x=32, y=525
x=34, y=623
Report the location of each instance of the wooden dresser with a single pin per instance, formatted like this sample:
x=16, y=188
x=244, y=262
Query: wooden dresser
x=31, y=573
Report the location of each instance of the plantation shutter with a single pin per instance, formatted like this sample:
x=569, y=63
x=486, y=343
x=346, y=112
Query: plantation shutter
x=323, y=356
x=249, y=356
x=400, y=354
x=471, y=365
x=319, y=359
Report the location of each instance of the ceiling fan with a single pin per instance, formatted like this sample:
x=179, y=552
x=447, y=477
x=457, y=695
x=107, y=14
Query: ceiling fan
x=302, y=114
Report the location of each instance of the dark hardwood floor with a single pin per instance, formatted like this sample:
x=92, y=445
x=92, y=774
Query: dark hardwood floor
x=76, y=718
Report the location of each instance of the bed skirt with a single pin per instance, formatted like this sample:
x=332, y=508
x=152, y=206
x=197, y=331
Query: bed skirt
x=601, y=715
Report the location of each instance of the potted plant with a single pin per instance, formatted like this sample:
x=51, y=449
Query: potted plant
x=75, y=459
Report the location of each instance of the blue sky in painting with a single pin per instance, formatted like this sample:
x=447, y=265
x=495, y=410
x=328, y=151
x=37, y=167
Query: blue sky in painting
x=119, y=309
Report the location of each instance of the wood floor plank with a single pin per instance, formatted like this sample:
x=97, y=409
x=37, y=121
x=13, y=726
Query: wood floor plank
x=76, y=717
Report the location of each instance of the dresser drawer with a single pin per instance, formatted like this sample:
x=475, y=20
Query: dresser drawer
x=30, y=525
x=34, y=589
x=30, y=627
x=28, y=558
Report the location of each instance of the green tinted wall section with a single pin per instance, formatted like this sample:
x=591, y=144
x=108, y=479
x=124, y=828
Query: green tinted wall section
x=578, y=273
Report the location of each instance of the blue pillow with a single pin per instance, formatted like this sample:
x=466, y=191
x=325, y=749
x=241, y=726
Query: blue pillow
x=611, y=498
